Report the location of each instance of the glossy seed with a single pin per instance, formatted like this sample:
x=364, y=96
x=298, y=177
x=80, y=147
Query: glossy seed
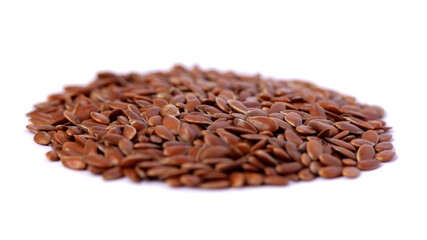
x=350, y=172
x=42, y=138
x=385, y=155
x=368, y=164
x=365, y=152
x=330, y=171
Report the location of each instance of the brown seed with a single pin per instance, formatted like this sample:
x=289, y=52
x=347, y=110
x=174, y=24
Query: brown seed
x=305, y=174
x=314, y=149
x=365, y=152
x=253, y=179
x=360, y=123
x=347, y=126
x=330, y=171
x=215, y=184
x=237, y=106
x=129, y=132
x=368, y=164
x=164, y=132
x=173, y=182
x=329, y=160
x=345, y=152
x=350, y=172
x=382, y=146
x=349, y=162
x=385, y=137
x=74, y=162
x=169, y=110
x=99, y=117
x=293, y=118
x=42, y=138
x=197, y=119
x=125, y=146
x=237, y=179
x=359, y=142
x=286, y=168
x=263, y=123
x=214, y=152
x=222, y=104
x=189, y=180
x=371, y=136
x=385, y=155
x=342, y=143
x=275, y=180
x=265, y=157
x=97, y=161
x=112, y=173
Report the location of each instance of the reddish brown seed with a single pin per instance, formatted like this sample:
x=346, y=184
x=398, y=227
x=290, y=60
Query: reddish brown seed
x=275, y=180
x=125, y=146
x=371, y=136
x=222, y=104
x=97, y=161
x=52, y=155
x=99, y=117
x=214, y=152
x=189, y=180
x=350, y=172
x=360, y=123
x=314, y=149
x=329, y=160
x=164, y=132
x=215, y=184
x=382, y=146
x=263, y=123
x=342, y=143
x=237, y=106
x=293, y=118
x=73, y=147
x=305, y=174
x=303, y=129
x=74, y=162
x=173, y=182
x=253, y=179
x=349, y=162
x=368, y=164
x=286, y=168
x=385, y=137
x=197, y=119
x=169, y=110
x=359, y=142
x=345, y=152
x=330, y=171
x=171, y=123
x=265, y=157
x=385, y=155
x=365, y=152
x=112, y=173
x=347, y=126
x=129, y=132
x=131, y=174
x=237, y=179
x=42, y=138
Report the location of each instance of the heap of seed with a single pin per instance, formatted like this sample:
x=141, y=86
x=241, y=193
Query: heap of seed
x=210, y=129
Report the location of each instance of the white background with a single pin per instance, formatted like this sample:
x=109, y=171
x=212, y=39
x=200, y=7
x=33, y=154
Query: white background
x=374, y=50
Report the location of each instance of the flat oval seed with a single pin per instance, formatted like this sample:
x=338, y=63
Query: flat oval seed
x=314, y=149
x=275, y=180
x=368, y=164
x=263, y=123
x=350, y=172
x=305, y=174
x=385, y=155
x=237, y=106
x=385, y=137
x=197, y=119
x=365, y=152
x=215, y=184
x=329, y=160
x=294, y=119
x=42, y=138
x=164, y=132
x=189, y=180
x=330, y=171
x=253, y=179
x=99, y=117
x=237, y=179
x=286, y=168
x=371, y=136
x=382, y=146
x=169, y=110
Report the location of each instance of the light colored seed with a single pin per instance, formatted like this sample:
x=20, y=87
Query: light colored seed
x=169, y=110
x=385, y=155
x=99, y=117
x=286, y=168
x=368, y=164
x=365, y=152
x=371, y=136
x=263, y=123
x=329, y=160
x=314, y=149
x=350, y=172
x=294, y=119
x=330, y=171
x=42, y=138
x=253, y=179
x=275, y=180
x=382, y=146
